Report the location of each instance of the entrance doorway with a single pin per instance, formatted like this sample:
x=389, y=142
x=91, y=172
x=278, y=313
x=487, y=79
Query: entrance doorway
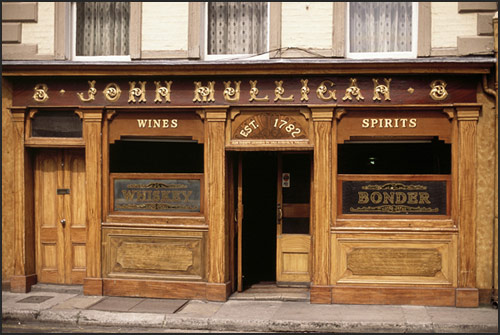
x=60, y=216
x=273, y=218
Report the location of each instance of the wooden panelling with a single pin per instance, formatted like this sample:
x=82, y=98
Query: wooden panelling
x=321, y=294
x=393, y=296
x=92, y=286
x=294, y=258
x=467, y=297
x=395, y=258
x=154, y=254
x=218, y=292
x=154, y=289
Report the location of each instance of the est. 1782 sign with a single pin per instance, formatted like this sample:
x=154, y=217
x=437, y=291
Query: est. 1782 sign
x=394, y=197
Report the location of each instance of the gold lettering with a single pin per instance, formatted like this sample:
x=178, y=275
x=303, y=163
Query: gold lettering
x=412, y=198
x=388, y=123
x=424, y=198
x=176, y=196
x=141, y=196
x=365, y=123
x=388, y=198
x=413, y=123
x=174, y=123
x=156, y=123
x=128, y=194
x=186, y=195
x=164, y=196
x=376, y=197
x=141, y=123
x=165, y=123
x=156, y=196
x=400, y=198
x=363, y=198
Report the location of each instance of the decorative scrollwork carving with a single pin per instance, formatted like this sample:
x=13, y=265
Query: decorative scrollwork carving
x=112, y=92
x=162, y=91
x=137, y=92
x=41, y=93
x=232, y=94
x=381, y=89
x=438, y=91
x=204, y=93
x=322, y=89
x=254, y=91
x=91, y=92
x=279, y=91
x=353, y=90
x=304, y=91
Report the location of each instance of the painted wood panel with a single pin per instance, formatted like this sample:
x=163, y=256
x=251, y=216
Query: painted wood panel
x=154, y=254
x=394, y=259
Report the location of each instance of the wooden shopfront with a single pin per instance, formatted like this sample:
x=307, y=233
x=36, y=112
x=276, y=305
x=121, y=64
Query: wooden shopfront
x=176, y=183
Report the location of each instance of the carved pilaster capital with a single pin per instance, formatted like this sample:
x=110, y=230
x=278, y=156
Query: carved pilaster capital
x=92, y=115
x=214, y=114
x=467, y=112
x=18, y=114
x=321, y=114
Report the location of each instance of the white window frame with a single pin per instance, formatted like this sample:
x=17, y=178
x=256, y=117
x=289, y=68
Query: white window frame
x=399, y=54
x=89, y=58
x=249, y=57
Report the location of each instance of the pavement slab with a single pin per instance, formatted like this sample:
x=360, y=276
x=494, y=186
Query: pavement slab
x=245, y=310
x=12, y=300
x=79, y=302
x=199, y=309
x=164, y=306
x=119, y=304
x=105, y=318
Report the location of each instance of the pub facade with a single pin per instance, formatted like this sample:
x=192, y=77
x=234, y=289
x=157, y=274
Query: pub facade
x=195, y=178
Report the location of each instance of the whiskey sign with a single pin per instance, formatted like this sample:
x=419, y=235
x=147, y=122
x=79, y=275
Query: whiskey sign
x=157, y=195
x=394, y=197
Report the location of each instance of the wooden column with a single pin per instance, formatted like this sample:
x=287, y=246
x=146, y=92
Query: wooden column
x=218, y=286
x=467, y=293
x=92, y=284
x=24, y=228
x=321, y=205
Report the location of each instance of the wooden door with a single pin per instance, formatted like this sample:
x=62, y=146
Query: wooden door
x=293, y=245
x=60, y=216
x=239, y=213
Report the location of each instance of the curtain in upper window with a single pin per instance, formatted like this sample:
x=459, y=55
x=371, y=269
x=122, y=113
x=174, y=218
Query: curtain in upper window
x=237, y=28
x=380, y=26
x=102, y=28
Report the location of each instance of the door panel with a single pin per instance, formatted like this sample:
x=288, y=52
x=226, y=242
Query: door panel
x=293, y=256
x=60, y=218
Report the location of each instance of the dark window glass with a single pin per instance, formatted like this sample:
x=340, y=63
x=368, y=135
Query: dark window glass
x=425, y=157
x=56, y=124
x=155, y=157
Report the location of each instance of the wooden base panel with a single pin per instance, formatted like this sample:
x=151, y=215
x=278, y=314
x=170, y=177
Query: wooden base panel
x=321, y=295
x=6, y=285
x=467, y=297
x=92, y=286
x=153, y=289
x=22, y=284
x=218, y=292
x=393, y=296
x=486, y=295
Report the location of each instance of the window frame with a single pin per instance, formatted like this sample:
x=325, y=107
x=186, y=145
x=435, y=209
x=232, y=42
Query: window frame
x=223, y=57
x=379, y=55
x=73, y=55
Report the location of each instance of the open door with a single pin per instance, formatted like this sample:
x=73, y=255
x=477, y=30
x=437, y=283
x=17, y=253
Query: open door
x=293, y=244
x=239, y=219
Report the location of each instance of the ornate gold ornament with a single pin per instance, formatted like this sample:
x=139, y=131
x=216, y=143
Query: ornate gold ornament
x=279, y=91
x=62, y=91
x=163, y=91
x=254, y=91
x=232, y=94
x=381, y=89
x=304, y=91
x=137, y=92
x=411, y=90
x=91, y=92
x=438, y=91
x=204, y=93
x=322, y=89
x=353, y=90
x=112, y=92
x=41, y=93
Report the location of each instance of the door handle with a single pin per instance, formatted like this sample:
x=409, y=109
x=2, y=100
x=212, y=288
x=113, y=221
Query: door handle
x=280, y=214
x=63, y=222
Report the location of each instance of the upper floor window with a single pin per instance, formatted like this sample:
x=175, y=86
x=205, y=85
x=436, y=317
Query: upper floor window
x=101, y=30
x=237, y=30
x=382, y=29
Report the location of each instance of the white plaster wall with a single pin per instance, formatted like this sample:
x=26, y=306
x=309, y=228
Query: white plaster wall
x=447, y=24
x=41, y=32
x=307, y=24
x=165, y=25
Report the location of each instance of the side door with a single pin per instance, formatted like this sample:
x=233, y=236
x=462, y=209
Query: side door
x=293, y=245
x=60, y=216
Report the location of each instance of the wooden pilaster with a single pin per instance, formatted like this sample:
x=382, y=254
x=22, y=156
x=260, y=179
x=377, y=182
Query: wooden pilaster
x=24, y=230
x=218, y=276
x=92, y=135
x=321, y=204
x=467, y=293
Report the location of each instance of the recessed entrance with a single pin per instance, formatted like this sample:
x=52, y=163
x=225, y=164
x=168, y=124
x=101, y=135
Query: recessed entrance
x=272, y=200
